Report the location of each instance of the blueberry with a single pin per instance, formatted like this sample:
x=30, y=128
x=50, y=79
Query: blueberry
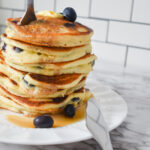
x=18, y=50
x=27, y=83
x=75, y=99
x=69, y=110
x=15, y=21
x=39, y=53
x=31, y=85
x=4, y=47
x=59, y=99
x=69, y=25
x=70, y=14
x=44, y=121
x=93, y=63
x=39, y=67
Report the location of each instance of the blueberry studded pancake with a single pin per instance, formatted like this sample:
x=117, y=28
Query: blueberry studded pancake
x=84, y=69
x=23, y=52
x=35, y=107
x=82, y=65
x=50, y=32
x=35, y=85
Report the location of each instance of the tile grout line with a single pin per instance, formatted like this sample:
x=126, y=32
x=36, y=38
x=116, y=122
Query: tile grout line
x=25, y=4
x=108, y=42
x=12, y=13
x=132, y=46
x=55, y=3
x=90, y=7
x=132, y=8
x=107, y=32
x=2, y=25
x=2, y=8
x=121, y=21
x=126, y=57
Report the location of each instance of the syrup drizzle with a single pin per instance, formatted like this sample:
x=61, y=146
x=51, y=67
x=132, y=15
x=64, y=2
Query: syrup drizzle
x=60, y=120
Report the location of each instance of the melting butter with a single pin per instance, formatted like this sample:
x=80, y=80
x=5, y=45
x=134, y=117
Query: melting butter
x=50, y=14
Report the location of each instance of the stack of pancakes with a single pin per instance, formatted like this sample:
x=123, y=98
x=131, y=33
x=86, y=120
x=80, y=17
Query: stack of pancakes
x=44, y=65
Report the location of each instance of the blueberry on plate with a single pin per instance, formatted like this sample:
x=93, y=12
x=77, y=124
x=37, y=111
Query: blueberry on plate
x=70, y=14
x=69, y=111
x=44, y=121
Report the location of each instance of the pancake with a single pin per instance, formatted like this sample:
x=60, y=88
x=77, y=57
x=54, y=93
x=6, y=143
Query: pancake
x=25, y=57
x=50, y=32
x=58, y=81
x=89, y=58
x=54, y=82
x=82, y=69
x=41, y=54
x=35, y=107
x=82, y=65
x=28, y=90
x=35, y=85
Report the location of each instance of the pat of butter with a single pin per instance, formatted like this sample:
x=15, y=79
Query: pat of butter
x=50, y=14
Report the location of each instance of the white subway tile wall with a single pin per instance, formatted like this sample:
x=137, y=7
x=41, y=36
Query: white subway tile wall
x=44, y=5
x=81, y=6
x=2, y=29
x=139, y=58
x=109, y=52
x=13, y=4
x=129, y=34
x=18, y=13
x=99, y=27
x=141, y=11
x=122, y=27
x=4, y=14
x=112, y=9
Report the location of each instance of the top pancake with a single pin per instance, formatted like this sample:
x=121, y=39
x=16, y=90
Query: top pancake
x=51, y=32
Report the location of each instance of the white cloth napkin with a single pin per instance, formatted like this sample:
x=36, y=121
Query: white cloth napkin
x=97, y=126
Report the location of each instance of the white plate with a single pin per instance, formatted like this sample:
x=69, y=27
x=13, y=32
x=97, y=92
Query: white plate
x=113, y=107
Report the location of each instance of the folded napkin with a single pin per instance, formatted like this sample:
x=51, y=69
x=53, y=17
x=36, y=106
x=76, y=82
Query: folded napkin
x=97, y=125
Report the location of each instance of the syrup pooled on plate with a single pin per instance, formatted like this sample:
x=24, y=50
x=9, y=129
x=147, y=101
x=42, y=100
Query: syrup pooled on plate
x=60, y=120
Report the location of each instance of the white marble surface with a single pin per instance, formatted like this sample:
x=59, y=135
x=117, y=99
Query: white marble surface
x=134, y=133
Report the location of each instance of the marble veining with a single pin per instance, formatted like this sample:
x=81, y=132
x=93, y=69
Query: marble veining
x=134, y=133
